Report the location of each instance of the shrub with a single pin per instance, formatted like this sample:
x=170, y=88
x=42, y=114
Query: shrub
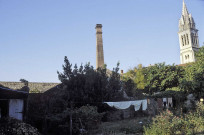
x=83, y=119
x=10, y=126
x=168, y=124
x=88, y=117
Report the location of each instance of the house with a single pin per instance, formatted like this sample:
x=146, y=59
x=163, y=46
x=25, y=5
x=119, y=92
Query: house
x=13, y=103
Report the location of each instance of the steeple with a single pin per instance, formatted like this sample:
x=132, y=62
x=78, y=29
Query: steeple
x=184, y=10
x=186, y=21
x=188, y=37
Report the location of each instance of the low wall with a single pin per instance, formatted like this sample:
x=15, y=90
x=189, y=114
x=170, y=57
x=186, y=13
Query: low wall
x=34, y=86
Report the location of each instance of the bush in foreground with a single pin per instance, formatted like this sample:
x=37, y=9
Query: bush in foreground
x=84, y=119
x=10, y=126
x=168, y=124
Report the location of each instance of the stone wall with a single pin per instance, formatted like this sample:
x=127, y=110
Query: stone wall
x=34, y=86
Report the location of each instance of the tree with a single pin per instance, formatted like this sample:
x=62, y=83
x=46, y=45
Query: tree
x=193, y=80
x=24, y=81
x=88, y=85
x=140, y=77
x=25, y=87
x=114, y=84
x=154, y=78
x=137, y=76
x=129, y=87
x=161, y=76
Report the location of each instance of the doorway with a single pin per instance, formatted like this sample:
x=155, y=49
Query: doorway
x=4, y=108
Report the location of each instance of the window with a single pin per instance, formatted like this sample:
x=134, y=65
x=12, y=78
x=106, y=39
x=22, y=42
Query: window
x=187, y=56
x=195, y=41
x=192, y=38
x=182, y=40
x=187, y=39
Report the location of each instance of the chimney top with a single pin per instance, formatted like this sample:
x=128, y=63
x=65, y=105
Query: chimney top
x=98, y=25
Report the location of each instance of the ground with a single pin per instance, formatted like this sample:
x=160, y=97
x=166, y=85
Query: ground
x=123, y=127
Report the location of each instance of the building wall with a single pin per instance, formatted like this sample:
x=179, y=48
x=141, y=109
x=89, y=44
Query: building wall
x=187, y=49
x=34, y=86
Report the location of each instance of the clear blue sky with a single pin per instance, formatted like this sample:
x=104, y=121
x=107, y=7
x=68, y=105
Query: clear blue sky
x=35, y=35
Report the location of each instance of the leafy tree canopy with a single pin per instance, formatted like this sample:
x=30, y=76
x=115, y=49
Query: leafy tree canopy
x=193, y=80
x=84, y=84
x=24, y=81
x=157, y=77
x=161, y=76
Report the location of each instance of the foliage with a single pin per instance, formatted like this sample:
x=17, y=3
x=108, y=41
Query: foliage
x=192, y=82
x=24, y=81
x=80, y=86
x=161, y=76
x=44, y=110
x=130, y=74
x=25, y=87
x=10, y=126
x=84, y=118
x=170, y=93
x=129, y=87
x=140, y=77
x=87, y=117
x=158, y=77
x=168, y=124
x=133, y=80
x=84, y=84
x=136, y=75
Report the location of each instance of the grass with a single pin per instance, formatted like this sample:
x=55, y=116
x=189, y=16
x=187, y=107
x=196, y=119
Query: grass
x=124, y=127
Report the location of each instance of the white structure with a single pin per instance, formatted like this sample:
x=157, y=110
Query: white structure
x=188, y=37
x=16, y=107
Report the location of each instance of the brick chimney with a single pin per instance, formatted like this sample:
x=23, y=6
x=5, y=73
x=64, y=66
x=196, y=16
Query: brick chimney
x=99, y=46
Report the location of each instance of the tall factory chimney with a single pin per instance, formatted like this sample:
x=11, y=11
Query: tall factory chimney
x=99, y=46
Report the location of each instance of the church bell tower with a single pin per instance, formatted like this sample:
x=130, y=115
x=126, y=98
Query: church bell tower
x=188, y=37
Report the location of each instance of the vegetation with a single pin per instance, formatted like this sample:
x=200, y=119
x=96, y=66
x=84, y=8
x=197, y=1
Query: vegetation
x=129, y=87
x=25, y=87
x=87, y=117
x=10, y=126
x=160, y=77
x=169, y=124
x=86, y=85
x=84, y=119
x=128, y=126
x=24, y=81
x=65, y=105
x=83, y=85
x=192, y=81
